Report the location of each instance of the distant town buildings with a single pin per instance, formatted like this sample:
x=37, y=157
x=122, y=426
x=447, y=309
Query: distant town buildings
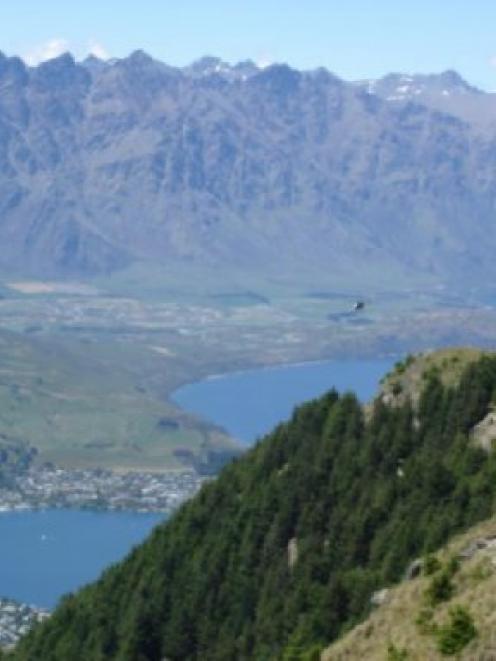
x=16, y=620
x=41, y=488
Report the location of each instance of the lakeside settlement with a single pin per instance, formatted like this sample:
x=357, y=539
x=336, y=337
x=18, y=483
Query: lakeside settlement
x=16, y=620
x=50, y=487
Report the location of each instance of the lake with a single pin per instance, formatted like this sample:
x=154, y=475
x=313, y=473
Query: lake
x=45, y=554
x=249, y=404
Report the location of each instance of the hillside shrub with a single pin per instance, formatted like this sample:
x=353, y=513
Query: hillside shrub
x=457, y=634
x=396, y=654
x=440, y=589
x=431, y=565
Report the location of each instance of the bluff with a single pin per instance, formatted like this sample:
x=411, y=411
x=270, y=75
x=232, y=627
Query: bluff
x=280, y=555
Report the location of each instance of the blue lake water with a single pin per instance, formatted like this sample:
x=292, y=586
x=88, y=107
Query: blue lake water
x=249, y=404
x=45, y=554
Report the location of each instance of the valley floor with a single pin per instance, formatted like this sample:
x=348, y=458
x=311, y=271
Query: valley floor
x=87, y=369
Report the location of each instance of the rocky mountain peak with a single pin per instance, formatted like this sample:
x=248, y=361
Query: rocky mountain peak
x=94, y=63
x=13, y=69
x=60, y=73
x=404, y=87
x=454, y=82
x=139, y=58
x=278, y=79
x=157, y=162
x=215, y=66
x=207, y=66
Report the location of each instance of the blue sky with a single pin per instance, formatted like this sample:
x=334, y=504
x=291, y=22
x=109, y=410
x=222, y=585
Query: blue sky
x=354, y=38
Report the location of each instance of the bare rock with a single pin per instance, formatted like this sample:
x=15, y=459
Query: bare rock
x=484, y=433
x=477, y=545
x=292, y=552
x=379, y=597
x=414, y=569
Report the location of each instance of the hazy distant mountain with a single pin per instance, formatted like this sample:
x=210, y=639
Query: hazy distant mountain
x=104, y=163
x=402, y=87
x=447, y=92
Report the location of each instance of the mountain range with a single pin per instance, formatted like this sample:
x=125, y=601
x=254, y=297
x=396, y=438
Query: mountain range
x=104, y=164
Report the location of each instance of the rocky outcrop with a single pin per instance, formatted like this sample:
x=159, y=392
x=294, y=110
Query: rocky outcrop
x=474, y=547
x=484, y=433
x=292, y=552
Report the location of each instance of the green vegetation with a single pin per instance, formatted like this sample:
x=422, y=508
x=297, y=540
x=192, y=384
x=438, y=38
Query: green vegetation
x=460, y=630
x=441, y=587
x=281, y=554
x=447, y=629
x=402, y=365
x=409, y=377
x=424, y=621
x=431, y=565
x=457, y=633
x=84, y=404
x=396, y=654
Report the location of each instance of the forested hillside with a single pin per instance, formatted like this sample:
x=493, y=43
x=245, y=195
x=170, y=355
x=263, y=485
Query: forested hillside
x=279, y=556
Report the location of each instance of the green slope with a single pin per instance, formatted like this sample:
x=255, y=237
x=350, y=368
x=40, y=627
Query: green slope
x=97, y=405
x=408, y=623
x=279, y=556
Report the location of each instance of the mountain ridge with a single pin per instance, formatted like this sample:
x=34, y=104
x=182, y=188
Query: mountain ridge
x=107, y=164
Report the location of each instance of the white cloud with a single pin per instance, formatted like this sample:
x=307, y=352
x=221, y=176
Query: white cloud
x=57, y=46
x=47, y=51
x=96, y=49
x=264, y=60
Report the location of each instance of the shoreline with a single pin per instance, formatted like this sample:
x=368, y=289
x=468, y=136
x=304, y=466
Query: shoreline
x=33, y=509
x=215, y=398
x=216, y=376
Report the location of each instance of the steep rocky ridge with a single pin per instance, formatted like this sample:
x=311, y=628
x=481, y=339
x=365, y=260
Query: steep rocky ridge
x=446, y=92
x=107, y=163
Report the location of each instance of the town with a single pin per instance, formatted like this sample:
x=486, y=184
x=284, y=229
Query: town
x=16, y=620
x=52, y=487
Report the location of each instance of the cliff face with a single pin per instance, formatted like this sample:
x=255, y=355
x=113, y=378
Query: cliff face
x=283, y=551
x=103, y=164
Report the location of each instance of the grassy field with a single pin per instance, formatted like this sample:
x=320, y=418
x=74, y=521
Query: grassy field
x=84, y=404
